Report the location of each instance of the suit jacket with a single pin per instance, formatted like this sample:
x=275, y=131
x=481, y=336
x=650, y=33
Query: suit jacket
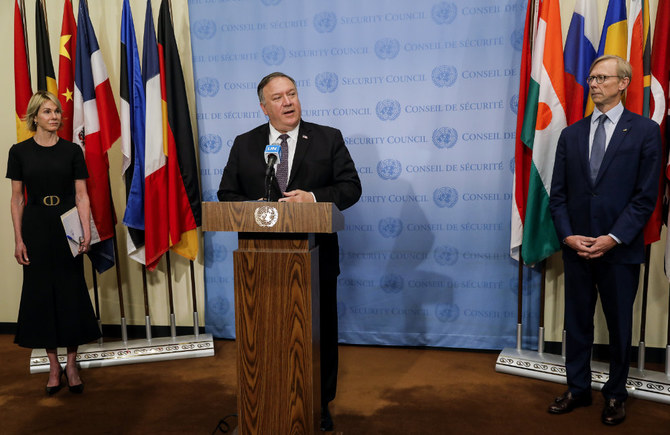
x=321, y=165
x=623, y=196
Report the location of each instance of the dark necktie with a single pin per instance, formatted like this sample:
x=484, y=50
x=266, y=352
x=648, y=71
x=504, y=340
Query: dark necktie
x=598, y=147
x=282, y=167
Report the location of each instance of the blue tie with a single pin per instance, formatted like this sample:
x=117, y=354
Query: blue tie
x=598, y=147
x=282, y=167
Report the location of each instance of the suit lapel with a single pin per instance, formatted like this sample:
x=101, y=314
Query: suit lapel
x=583, y=146
x=303, y=142
x=620, y=131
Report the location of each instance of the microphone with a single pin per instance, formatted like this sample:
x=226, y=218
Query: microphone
x=272, y=155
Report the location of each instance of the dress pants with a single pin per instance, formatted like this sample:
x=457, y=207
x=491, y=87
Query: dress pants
x=617, y=286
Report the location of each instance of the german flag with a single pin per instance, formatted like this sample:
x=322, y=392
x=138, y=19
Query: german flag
x=184, y=206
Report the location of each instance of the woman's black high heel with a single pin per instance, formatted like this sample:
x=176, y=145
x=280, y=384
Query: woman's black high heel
x=76, y=389
x=53, y=390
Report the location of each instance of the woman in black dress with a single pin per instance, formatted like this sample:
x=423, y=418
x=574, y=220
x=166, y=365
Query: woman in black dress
x=49, y=178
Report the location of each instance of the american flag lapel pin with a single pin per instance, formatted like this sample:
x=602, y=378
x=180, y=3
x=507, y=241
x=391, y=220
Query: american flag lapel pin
x=304, y=136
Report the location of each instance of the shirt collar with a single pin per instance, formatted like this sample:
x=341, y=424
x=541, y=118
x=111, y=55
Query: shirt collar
x=613, y=114
x=274, y=133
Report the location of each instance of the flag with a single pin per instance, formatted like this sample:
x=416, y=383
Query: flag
x=46, y=79
x=579, y=53
x=638, y=92
x=639, y=56
x=544, y=119
x=132, y=135
x=522, y=154
x=184, y=206
x=156, y=239
x=614, y=37
x=660, y=86
x=68, y=44
x=95, y=128
x=22, y=89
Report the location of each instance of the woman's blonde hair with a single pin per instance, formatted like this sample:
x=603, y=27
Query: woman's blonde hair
x=34, y=105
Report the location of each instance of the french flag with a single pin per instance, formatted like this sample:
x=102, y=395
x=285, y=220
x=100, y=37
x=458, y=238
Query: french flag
x=96, y=127
x=156, y=238
x=578, y=54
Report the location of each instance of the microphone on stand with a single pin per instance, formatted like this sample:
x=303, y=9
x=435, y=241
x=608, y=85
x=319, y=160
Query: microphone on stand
x=272, y=156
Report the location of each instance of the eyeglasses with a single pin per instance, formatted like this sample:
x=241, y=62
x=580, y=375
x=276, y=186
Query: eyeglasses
x=598, y=79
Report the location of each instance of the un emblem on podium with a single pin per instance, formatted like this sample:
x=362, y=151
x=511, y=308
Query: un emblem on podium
x=266, y=216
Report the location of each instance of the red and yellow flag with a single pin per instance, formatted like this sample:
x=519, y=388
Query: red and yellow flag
x=22, y=89
x=68, y=45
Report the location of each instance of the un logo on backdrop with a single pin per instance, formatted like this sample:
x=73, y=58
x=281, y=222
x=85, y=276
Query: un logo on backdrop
x=207, y=86
x=388, y=110
x=273, y=54
x=444, y=13
x=270, y=2
x=445, y=255
x=389, y=169
x=445, y=197
x=219, y=306
x=516, y=39
x=511, y=165
x=447, y=312
x=387, y=48
x=204, y=29
x=390, y=228
x=326, y=82
x=514, y=103
x=209, y=195
x=215, y=253
x=445, y=137
x=210, y=143
x=391, y=283
x=444, y=76
x=324, y=22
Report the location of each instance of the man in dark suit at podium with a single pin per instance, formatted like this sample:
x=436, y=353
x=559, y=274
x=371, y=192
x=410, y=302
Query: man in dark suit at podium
x=603, y=191
x=314, y=165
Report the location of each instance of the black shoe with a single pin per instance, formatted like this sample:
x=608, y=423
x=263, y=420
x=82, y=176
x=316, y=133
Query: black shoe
x=53, y=390
x=76, y=389
x=614, y=412
x=567, y=402
x=326, y=419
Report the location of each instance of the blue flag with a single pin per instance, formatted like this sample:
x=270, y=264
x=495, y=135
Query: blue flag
x=133, y=110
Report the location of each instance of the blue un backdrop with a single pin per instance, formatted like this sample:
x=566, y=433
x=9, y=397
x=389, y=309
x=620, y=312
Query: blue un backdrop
x=425, y=93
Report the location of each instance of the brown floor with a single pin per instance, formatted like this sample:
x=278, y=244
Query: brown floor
x=382, y=390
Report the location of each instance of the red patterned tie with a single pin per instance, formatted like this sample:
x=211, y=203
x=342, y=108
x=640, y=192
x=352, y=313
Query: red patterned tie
x=282, y=167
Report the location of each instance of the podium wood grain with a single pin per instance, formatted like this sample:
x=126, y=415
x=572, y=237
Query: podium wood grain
x=276, y=311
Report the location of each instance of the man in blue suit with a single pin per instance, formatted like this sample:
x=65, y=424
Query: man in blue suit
x=603, y=191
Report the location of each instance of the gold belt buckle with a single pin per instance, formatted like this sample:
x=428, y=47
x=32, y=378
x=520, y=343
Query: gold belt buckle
x=51, y=200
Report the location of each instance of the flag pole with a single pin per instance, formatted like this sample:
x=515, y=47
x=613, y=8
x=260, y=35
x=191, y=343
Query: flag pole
x=124, y=327
x=196, y=320
x=519, y=303
x=667, y=340
x=173, y=325
x=25, y=36
x=147, y=317
x=540, y=332
x=643, y=315
x=96, y=298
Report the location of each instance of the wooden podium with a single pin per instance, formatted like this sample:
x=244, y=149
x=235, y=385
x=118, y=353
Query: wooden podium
x=276, y=310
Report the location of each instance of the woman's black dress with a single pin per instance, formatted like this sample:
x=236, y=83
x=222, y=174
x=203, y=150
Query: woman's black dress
x=55, y=309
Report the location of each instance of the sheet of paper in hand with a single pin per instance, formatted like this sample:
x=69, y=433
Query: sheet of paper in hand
x=74, y=231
